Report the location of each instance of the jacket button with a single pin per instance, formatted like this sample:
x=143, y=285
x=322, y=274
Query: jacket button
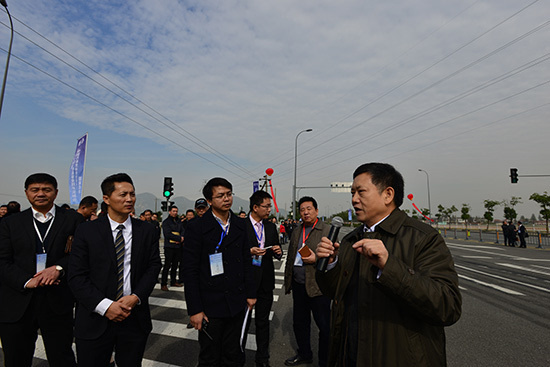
x=411, y=271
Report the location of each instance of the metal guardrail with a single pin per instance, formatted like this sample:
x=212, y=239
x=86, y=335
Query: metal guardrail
x=535, y=239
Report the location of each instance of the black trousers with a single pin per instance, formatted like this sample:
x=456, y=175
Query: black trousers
x=172, y=257
x=125, y=338
x=264, y=301
x=19, y=338
x=224, y=349
x=304, y=307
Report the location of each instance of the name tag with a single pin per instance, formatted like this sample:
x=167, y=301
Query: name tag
x=257, y=261
x=216, y=264
x=40, y=262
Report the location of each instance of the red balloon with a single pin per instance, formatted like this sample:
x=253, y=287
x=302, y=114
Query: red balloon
x=269, y=171
x=410, y=196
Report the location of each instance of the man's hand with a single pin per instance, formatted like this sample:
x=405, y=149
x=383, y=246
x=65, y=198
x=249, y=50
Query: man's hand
x=34, y=282
x=310, y=259
x=326, y=248
x=373, y=250
x=129, y=301
x=277, y=250
x=256, y=251
x=196, y=320
x=48, y=276
x=117, y=312
x=250, y=302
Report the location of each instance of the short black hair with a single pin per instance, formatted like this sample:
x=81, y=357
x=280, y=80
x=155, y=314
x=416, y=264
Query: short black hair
x=172, y=207
x=40, y=178
x=87, y=202
x=4, y=206
x=384, y=175
x=14, y=207
x=108, y=184
x=305, y=199
x=147, y=210
x=189, y=210
x=208, y=189
x=258, y=198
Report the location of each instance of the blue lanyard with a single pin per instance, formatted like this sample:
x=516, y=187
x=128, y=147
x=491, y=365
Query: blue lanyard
x=224, y=233
x=261, y=233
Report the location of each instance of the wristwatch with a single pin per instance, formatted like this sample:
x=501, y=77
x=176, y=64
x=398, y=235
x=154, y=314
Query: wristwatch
x=60, y=270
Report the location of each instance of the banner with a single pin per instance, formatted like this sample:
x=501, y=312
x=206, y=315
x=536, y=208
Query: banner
x=76, y=173
x=255, y=186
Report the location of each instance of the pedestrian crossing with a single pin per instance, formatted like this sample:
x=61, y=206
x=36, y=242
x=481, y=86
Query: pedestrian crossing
x=170, y=342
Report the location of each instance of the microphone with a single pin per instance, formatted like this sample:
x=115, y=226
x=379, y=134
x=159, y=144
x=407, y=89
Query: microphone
x=336, y=224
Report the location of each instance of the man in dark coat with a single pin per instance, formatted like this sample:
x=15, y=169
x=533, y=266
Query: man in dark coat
x=219, y=286
x=34, y=257
x=392, y=281
x=264, y=246
x=172, y=228
x=113, y=269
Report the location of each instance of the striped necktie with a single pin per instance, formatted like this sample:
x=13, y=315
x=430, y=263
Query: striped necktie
x=119, y=249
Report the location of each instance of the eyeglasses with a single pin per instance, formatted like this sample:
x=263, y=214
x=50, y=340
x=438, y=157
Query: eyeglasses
x=223, y=196
x=266, y=206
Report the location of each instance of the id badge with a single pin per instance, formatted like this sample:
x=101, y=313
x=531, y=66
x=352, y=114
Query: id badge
x=257, y=261
x=40, y=262
x=216, y=264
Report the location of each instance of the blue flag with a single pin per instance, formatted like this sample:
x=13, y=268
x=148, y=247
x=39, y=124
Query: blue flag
x=76, y=174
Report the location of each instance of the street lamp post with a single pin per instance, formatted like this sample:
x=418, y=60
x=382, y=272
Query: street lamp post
x=5, y=5
x=295, y=167
x=428, y=181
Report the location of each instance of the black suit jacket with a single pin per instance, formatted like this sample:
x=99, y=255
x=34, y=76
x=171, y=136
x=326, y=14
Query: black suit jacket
x=93, y=274
x=264, y=276
x=221, y=295
x=18, y=262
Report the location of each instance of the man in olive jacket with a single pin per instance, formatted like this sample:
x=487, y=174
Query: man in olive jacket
x=393, y=282
x=306, y=295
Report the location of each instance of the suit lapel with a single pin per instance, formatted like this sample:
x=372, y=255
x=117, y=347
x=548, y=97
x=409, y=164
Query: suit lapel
x=137, y=241
x=28, y=226
x=107, y=237
x=58, y=221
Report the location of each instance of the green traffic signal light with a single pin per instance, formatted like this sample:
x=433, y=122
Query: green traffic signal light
x=514, y=175
x=168, y=188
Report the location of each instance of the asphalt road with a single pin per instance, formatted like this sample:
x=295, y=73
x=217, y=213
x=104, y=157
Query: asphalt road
x=505, y=319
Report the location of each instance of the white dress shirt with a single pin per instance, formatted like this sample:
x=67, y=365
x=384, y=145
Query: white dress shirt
x=102, y=306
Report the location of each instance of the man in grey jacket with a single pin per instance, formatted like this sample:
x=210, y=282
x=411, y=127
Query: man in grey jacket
x=300, y=278
x=393, y=282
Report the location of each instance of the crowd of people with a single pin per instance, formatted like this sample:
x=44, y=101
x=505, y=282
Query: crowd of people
x=511, y=234
x=389, y=289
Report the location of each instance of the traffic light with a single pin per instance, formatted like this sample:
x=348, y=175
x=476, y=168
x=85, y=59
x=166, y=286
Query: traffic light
x=165, y=205
x=514, y=175
x=168, y=188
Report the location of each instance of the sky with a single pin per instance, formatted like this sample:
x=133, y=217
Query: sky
x=199, y=89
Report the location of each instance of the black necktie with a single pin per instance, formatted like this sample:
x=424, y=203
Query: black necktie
x=119, y=249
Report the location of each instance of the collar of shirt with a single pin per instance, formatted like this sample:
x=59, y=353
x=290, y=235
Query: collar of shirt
x=127, y=226
x=253, y=221
x=225, y=227
x=371, y=229
x=41, y=217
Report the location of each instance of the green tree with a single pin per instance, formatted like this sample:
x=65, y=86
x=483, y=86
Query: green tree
x=490, y=209
x=448, y=212
x=465, y=216
x=544, y=201
x=509, y=208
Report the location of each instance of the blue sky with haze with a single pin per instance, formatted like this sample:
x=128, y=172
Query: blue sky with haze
x=197, y=89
